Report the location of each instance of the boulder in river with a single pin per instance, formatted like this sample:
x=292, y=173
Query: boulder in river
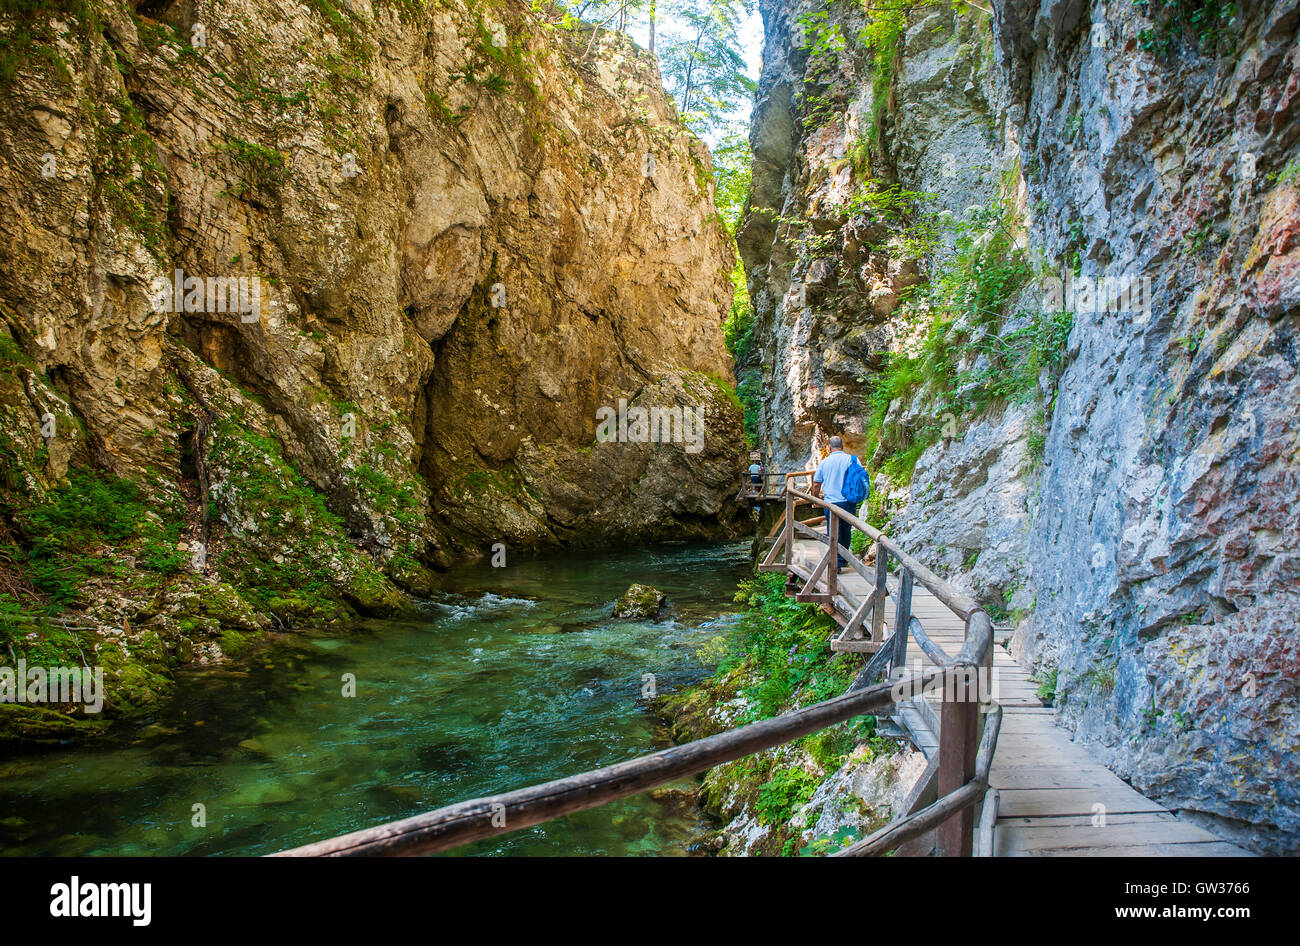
x=639, y=601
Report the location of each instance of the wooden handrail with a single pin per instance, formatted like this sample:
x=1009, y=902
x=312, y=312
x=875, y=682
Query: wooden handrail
x=965, y=754
x=960, y=728
x=919, y=822
x=959, y=603
x=487, y=817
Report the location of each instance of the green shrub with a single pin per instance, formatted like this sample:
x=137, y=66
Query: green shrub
x=1046, y=681
x=788, y=646
x=1208, y=24
x=966, y=306
x=784, y=793
x=74, y=535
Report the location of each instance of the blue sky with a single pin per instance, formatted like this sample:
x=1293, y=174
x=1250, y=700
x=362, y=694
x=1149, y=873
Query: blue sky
x=751, y=34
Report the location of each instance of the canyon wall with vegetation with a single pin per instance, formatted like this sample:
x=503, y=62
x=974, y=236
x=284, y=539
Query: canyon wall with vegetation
x=934, y=187
x=461, y=231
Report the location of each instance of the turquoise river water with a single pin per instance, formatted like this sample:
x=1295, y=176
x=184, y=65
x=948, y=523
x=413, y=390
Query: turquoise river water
x=515, y=675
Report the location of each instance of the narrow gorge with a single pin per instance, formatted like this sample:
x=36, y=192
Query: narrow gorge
x=465, y=233
x=401, y=331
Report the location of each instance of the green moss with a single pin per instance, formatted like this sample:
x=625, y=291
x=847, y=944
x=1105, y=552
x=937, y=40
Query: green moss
x=29, y=41
x=1207, y=25
x=128, y=174
x=314, y=576
x=28, y=724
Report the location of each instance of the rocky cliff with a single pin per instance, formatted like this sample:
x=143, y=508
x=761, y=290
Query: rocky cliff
x=303, y=300
x=940, y=201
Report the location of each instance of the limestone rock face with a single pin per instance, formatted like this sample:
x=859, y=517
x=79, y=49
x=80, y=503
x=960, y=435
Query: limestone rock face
x=467, y=233
x=1165, y=541
x=1132, y=512
x=866, y=793
x=343, y=288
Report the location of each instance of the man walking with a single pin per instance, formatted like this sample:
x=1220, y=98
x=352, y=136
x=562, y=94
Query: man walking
x=828, y=483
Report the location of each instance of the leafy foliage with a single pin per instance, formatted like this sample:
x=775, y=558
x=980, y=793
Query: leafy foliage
x=886, y=20
x=76, y=534
x=787, y=644
x=783, y=793
x=701, y=62
x=732, y=173
x=824, y=42
x=965, y=307
x=1209, y=24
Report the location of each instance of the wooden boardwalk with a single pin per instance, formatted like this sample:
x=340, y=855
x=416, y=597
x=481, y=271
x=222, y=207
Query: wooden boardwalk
x=1051, y=796
x=1001, y=778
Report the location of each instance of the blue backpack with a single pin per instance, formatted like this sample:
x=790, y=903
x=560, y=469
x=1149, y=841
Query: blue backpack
x=857, y=485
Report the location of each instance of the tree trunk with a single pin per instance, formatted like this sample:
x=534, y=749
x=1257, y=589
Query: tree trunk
x=690, y=70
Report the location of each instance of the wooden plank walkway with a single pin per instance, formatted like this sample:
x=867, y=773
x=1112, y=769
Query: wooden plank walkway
x=1048, y=788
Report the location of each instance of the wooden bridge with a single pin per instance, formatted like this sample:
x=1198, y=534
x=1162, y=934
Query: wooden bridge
x=770, y=488
x=1047, y=795
x=1001, y=779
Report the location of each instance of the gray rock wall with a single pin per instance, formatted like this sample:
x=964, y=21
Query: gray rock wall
x=1134, y=515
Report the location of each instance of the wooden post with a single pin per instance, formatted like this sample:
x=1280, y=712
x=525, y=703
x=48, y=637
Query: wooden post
x=986, y=667
x=878, y=612
x=958, y=722
x=789, y=531
x=902, y=619
x=833, y=567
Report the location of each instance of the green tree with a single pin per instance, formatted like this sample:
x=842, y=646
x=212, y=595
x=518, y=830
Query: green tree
x=732, y=168
x=700, y=59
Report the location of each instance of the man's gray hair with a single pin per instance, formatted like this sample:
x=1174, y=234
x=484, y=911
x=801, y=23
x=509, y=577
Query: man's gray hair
x=837, y=443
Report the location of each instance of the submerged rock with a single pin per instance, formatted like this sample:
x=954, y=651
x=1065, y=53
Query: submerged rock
x=639, y=601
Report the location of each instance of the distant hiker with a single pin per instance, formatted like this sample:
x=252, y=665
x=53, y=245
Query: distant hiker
x=756, y=472
x=841, y=480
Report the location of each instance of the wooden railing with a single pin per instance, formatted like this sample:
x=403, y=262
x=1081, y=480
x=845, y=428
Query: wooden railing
x=961, y=772
x=963, y=759
x=770, y=486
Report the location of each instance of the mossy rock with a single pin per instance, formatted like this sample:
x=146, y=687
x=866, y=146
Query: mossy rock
x=136, y=682
x=370, y=592
x=639, y=601
x=301, y=610
x=407, y=573
x=226, y=605
x=21, y=723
